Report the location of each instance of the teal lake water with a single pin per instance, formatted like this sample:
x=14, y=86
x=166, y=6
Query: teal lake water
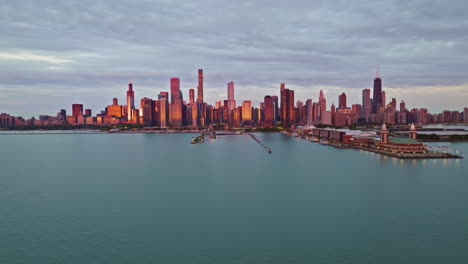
x=140, y=198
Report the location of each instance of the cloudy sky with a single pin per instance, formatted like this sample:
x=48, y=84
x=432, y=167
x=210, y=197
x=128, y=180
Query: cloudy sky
x=55, y=53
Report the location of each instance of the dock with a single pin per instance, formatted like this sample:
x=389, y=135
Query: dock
x=267, y=149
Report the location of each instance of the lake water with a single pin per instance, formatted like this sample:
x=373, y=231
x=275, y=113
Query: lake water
x=145, y=198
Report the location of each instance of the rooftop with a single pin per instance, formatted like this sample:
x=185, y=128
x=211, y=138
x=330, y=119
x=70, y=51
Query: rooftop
x=402, y=140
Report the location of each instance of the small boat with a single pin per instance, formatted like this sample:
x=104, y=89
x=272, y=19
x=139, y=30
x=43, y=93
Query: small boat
x=269, y=151
x=314, y=139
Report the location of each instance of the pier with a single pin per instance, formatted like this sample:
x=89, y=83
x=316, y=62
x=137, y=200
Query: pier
x=198, y=139
x=267, y=149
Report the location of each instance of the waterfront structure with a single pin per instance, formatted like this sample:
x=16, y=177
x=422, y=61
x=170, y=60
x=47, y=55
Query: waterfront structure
x=412, y=131
x=384, y=134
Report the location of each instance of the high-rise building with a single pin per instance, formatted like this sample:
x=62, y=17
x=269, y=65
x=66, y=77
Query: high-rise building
x=147, y=111
x=77, y=110
x=115, y=109
x=163, y=110
x=291, y=112
x=276, y=108
x=287, y=106
x=366, y=104
x=217, y=104
x=384, y=100
x=377, y=96
x=342, y=101
x=455, y=116
x=283, y=102
x=300, y=113
x=175, y=114
x=268, y=109
x=393, y=103
x=175, y=89
x=322, y=104
x=88, y=113
x=402, y=106
x=465, y=114
x=192, y=96
x=309, y=112
x=447, y=116
x=230, y=96
x=130, y=103
x=200, y=86
x=246, y=112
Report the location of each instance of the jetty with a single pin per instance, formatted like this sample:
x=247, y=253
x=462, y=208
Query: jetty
x=267, y=149
x=198, y=139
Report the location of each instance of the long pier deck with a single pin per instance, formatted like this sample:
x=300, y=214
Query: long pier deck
x=265, y=147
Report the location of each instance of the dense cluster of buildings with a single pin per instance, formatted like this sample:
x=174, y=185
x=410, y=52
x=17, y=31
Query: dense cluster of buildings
x=171, y=110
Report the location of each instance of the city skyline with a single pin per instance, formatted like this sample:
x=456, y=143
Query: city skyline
x=51, y=55
x=170, y=110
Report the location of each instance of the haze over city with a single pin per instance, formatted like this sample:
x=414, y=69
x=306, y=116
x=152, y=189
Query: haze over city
x=61, y=53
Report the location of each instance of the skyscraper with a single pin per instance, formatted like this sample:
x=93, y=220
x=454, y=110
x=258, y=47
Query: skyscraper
x=309, y=112
x=268, y=111
x=276, y=108
x=465, y=114
x=402, y=106
x=384, y=100
x=130, y=102
x=175, y=89
x=77, y=110
x=342, y=101
x=291, y=114
x=192, y=96
x=393, y=103
x=200, y=86
x=284, y=101
x=322, y=104
x=176, y=103
x=147, y=109
x=366, y=104
x=163, y=113
x=377, y=96
x=230, y=96
x=247, y=112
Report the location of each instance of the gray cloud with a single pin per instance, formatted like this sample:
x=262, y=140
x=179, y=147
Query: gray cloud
x=256, y=43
